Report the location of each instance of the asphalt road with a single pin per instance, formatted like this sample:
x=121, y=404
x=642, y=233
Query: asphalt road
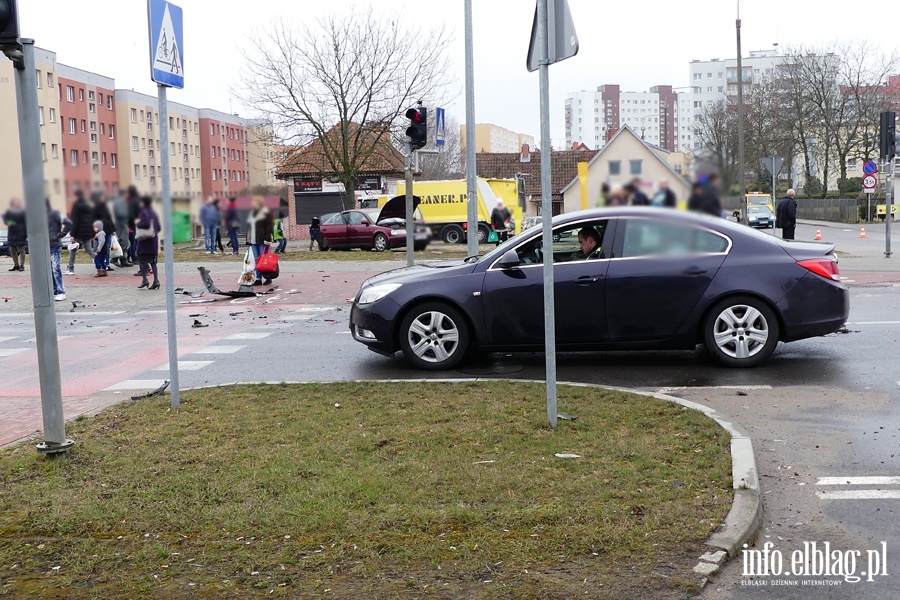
x=819, y=408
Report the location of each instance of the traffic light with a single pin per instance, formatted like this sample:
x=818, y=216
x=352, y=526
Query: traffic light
x=9, y=24
x=888, y=135
x=418, y=127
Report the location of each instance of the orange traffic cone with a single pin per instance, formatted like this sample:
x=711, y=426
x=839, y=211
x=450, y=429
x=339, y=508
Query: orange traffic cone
x=862, y=233
x=818, y=234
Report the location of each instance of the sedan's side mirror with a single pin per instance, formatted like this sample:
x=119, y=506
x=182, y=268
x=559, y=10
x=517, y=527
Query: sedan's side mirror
x=510, y=260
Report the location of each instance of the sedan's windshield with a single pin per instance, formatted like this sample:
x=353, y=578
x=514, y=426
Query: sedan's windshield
x=758, y=209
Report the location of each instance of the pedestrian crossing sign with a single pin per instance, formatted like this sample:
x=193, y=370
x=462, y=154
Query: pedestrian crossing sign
x=166, y=43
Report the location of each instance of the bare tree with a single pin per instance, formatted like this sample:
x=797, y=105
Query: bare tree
x=447, y=164
x=334, y=91
x=716, y=135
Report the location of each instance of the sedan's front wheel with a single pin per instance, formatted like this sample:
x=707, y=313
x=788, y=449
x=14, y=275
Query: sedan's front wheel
x=380, y=242
x=741, y=331
x=434, y=336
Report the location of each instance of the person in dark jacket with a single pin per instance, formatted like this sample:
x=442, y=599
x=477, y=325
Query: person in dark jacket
x=17, y=235
x=134, y=209
x=233, y=223
x=786, y=215
x=664, y=197
x=120, y=214
x=82, y=217
x=705, y=197
x=102, y=213
x=500, y=222
x=148, y=249
x=58, y=227
x=260, y=232
x=636, y=197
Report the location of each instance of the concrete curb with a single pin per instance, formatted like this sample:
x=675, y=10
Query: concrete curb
x=743, y=522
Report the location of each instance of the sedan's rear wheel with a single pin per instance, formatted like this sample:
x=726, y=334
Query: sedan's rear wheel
x=741, y=331
x=380, y=242
x=434, y=336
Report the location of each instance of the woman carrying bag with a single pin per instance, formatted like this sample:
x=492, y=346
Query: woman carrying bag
x=146, y=233
x=260, y=230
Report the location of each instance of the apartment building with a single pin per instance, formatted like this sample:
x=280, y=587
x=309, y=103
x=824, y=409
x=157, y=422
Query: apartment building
x=51, y=134
x=661, y=116
x=97, y=138
x=493, y=138
x=87, y=124
x=716, y=79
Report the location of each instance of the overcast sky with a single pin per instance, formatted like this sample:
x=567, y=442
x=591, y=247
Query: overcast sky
x=635, y=44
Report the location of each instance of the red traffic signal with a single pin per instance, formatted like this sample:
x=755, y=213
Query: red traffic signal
x=417, y=132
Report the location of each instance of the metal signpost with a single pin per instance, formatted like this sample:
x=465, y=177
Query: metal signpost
x=410, y=226
x=471, y=173
x=47, y=343
x=167, y=70
x=888, y=184
x=870, y=169
x=552, y=39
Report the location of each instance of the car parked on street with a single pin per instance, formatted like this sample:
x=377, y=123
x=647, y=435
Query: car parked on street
x=658, y=279
x=373, y=229
x=4, y=242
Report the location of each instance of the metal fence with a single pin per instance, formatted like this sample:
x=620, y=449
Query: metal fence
x=842, y=210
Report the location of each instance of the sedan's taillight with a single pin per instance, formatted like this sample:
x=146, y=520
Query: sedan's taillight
x=823, y=267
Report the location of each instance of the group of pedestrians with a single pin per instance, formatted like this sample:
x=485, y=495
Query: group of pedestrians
x=214, y=220
x=125, y=236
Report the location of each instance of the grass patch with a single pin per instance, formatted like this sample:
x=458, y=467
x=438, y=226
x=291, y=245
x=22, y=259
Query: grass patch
x=404, y=491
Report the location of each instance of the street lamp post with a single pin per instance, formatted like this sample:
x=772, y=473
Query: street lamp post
x=740, y=84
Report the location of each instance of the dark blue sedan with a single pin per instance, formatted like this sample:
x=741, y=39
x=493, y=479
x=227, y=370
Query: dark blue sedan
x=657, y=279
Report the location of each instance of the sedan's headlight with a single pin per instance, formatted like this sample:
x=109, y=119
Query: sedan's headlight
x=376, y=292
x=398, y=232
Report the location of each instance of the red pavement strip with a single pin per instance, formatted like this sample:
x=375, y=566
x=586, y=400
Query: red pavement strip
x=143, y=346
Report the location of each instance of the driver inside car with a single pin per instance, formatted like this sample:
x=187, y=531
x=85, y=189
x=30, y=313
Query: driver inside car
x=589, y=242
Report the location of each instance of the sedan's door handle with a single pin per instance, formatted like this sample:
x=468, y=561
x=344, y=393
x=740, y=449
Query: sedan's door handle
x=586, y=280
x=694, y=271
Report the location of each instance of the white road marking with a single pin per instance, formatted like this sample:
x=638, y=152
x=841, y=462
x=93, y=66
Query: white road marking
x=315, y=309
x=219, y=350
x=868, y=480
x=60, y=313
x=136, y=384
x=860, y=495
x=150, y=312
x=6, y=339
x=873, y=322
x=118, y=321
x=248, y=336
x=12, y=351
x=58, y=338
x=187, y=365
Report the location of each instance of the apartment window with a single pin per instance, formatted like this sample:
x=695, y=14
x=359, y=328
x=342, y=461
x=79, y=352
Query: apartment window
x=84, y=156
x=134, y=115
x=171, y=122
x=95, y=169
x=174, y=173
x=697, y=76
x=44, y=152
x=214, y=174
x=41, y=115
x=153, y=181
x=615, y=167
x=721, y=89
x=172, y=148
x=92, y=107
x=151, y=154
x=851, y=164
x=49, y=79
x=145, y=170
x=137, y=171
x=81, y=94
x=54, y=151
x=94, y=157
x=93, y=125
x=112, y=131
x=134, y=142
x=142, y=116
x=72, y=125
x=152, y=170
x=38, y=73
x=73, y=157
x=93, y=138
x=100, y=98
x=143, y=143
x=709, y=75
x=52, y=115
x=83, y=126
x=70, y=94
x=709, y=89
x=109, y=103
x=91, y=95
x=149, y=125
x=102, y=129
x=112, y=160
x=720, y=74
x=178, y=122
x=103, y=158
x=635, y=166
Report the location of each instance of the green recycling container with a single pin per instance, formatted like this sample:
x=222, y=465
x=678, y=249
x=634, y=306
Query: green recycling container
x=181, y=227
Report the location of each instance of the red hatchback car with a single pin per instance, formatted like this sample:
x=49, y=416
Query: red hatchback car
x=371, y=228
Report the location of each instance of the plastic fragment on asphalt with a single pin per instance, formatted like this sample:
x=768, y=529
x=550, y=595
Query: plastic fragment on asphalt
x=565, y=455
